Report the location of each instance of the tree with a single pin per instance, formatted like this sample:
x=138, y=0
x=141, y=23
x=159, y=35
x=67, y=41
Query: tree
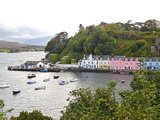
x=86, y=105
x=141, y=103
x=3, y=113
x=53, y=58
x=34, y=115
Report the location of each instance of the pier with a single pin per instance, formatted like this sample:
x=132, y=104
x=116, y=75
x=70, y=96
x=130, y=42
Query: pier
x=19, y=68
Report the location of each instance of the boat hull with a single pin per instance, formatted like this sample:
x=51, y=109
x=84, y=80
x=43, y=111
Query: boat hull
x=40, y=88
x=55, y=77
x=4, y=86
x=16, y=92
x=31, y=82
x=63, y=82
x=31, y=76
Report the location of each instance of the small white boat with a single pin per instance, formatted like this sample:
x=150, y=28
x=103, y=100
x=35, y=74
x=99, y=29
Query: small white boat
x=122, y=81
x=30, y=81
x=45, y=80
x=4, y=85
x=63, y=82
x=16, y=91
x=40, y=88
x=73, y=80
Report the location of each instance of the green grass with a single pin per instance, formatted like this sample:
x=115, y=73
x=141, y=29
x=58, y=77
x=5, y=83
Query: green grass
x=4, y=50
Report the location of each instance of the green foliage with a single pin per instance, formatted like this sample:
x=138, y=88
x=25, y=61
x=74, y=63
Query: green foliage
x=129, y=39
x=34, y=115
x=3, y=113
x=66, y=60
x=73, y=61
x=63, y=61
x=53, y=58
x=141, y=103
x=85, y=105
x=4, y=50
x=58, y=43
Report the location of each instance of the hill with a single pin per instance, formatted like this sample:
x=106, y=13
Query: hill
x=9, y=45
x=42, y=41
x=129, y=39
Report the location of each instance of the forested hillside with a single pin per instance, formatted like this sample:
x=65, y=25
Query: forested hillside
x=129, y=39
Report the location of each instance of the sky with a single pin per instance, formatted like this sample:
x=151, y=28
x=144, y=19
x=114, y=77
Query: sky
x=25, y=19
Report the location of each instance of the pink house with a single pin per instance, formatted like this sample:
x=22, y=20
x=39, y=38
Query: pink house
x=123, y=63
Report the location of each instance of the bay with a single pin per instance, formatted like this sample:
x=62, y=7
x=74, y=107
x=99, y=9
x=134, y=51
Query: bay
x=53, y=99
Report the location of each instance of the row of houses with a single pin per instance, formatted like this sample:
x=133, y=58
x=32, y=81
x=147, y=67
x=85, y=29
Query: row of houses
x=107, y=62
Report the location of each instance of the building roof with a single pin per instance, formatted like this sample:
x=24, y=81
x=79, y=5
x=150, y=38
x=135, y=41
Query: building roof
x=152, y=59
x=31, y=62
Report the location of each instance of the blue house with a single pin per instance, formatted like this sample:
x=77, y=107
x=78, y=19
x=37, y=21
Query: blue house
x=152, y=63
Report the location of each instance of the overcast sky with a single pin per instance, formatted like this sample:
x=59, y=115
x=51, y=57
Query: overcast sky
x=20, y=19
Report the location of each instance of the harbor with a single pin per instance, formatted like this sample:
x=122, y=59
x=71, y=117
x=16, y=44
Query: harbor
x=53, y=98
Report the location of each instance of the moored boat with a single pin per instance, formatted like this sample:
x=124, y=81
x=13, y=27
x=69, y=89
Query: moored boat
x=4, y=85
x=122, y=81
x=40, y=88
x=63, y=82
x=56, y=76
x=73, y=80
x=30, y=81
x=44, y=70
x=16, y=91
x=31, y=75
x=45, y=80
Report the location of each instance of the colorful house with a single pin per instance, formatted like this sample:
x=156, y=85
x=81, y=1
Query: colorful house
x=124, y=63
x=107, y=62
x=152, y=63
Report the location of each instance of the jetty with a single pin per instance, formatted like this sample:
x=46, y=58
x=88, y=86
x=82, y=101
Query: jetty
x=19, y=68
x=49, y=67
x=35, y=66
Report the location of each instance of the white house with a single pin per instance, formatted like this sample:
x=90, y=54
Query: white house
x=94, y=62
x=34, y=64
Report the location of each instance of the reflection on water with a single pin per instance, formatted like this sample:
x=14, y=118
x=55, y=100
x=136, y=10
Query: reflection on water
x=51, y=100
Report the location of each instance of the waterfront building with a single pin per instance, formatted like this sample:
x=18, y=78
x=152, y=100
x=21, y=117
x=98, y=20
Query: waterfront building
x=107, y=62
x=95, y=62
x=117, y=63
x=34, y=64
x=124, y=63
x=152, y=63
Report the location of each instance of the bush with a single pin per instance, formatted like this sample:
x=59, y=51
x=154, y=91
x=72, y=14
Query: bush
x=34, y=115
x=53, y=58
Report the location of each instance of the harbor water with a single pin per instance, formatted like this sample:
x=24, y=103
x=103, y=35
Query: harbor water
x=53, y=99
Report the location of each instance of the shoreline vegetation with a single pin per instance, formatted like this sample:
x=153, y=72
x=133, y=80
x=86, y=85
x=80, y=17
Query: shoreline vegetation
x=138, y=39
x=19, y=50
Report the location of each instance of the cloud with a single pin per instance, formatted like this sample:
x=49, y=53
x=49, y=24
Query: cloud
x=20, y=33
